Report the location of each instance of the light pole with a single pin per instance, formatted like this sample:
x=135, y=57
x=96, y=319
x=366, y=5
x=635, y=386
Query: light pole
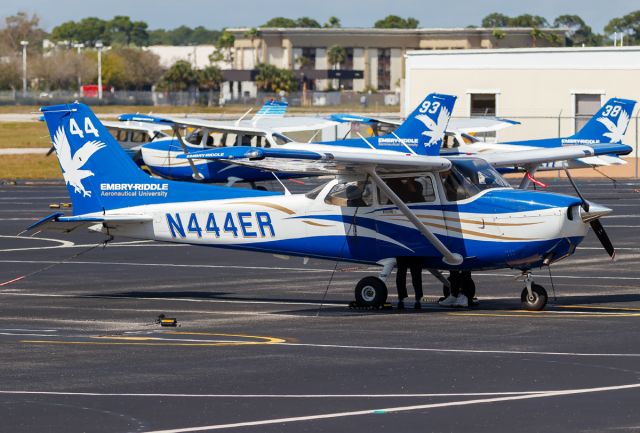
x=79, y=47
x=24, y=67
x=99, y=46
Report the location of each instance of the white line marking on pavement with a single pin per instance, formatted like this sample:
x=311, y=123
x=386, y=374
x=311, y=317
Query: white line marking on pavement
x=61, y=242
x=398, y=409
x=489, y=351
x=110, y=394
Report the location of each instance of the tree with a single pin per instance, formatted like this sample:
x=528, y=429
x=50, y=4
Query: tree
x=224, y=48
x=209, y=79
x=307, y=22
x=396, y=22
x=87, y=31
x=179, y=77
x=332, y=22
x=10, y=75
x=254, y=34
x=21, y=27
x=629, y=25
x=274, y=79
x=528, y=20
x=280, y=22
x=336, y=55
x=495, y=20
x=123, y=31
x=579, y=32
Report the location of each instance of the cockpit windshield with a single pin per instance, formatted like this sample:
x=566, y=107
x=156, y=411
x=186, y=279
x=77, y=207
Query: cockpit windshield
x=470, y=176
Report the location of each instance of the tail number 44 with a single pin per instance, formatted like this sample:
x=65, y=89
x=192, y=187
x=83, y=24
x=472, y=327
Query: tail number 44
x=74, y=128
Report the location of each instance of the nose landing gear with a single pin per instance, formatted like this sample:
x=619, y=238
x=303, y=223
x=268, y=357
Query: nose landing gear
x=534, y=297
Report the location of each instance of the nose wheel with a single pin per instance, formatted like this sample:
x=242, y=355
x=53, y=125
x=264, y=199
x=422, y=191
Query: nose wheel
x=534, y=297
x=371, y=292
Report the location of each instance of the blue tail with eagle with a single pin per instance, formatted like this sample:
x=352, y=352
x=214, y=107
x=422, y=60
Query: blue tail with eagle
x=100, y=176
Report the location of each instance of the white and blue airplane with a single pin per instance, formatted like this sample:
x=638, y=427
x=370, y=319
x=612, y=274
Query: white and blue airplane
x=455, y=213
x=607, y=125
x=266, y=129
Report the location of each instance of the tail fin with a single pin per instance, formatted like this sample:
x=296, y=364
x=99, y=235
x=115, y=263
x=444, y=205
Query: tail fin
x=272, y=108
x=609, y=124
x=423, y=130
x=99, y=174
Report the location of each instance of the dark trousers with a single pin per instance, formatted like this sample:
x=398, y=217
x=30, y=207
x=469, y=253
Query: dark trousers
x=415, y=265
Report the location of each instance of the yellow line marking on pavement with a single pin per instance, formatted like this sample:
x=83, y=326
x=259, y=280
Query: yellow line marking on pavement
x=159, y=341
x=592, y=307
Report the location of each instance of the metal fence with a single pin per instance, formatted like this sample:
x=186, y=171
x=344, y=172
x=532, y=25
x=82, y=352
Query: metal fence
x=202, y=98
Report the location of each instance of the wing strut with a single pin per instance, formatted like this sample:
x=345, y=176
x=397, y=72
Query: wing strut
x=449, y=257
x=196, y=174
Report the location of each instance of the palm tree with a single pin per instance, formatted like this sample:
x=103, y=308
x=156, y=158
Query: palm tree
x=254, y=34
x=336, y=55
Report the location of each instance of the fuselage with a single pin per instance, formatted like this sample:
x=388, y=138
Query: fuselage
x=497, y=228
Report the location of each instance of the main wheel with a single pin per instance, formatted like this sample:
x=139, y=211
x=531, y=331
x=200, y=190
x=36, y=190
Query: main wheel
x=537, y=301
x=371, y=292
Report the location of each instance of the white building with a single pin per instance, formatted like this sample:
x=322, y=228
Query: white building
x=550, y=90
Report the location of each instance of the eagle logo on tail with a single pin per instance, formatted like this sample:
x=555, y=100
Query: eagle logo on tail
x=72, y=166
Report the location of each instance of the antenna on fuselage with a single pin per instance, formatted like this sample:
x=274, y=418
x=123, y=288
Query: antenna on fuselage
x=286, y=190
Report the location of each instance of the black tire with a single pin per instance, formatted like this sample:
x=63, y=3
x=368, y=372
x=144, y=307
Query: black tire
x=371, y=292
x=537, y=302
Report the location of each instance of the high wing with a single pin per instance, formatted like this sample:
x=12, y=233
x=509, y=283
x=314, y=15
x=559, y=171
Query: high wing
x=466, y=125
x=256, y=126
x=532, y=158
x=323, y=159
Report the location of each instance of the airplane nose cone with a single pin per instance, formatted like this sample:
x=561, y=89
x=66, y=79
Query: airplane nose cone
x=595, y=211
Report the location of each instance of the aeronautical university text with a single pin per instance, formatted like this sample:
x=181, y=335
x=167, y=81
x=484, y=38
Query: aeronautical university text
x=134, y=189
x=383, y=141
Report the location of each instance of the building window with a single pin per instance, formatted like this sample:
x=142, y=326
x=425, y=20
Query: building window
x=347, y=65
x=483, y=104
x=586, y=105
x=307, y=59
x=384, y=69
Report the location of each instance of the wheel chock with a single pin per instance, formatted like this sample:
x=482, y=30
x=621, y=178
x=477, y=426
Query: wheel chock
x=65, y=204
x=54, y=206
x=167, y=321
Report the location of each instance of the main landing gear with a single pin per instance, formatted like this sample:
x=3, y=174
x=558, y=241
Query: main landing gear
x=534, y=297
x=371, y=292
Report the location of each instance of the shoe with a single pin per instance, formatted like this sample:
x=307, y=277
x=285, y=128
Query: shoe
x=461, y=301
x=400, y=305
x=417, y=306
x=448, y=302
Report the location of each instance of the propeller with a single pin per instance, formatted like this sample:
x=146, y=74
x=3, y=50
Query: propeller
x=592, y=213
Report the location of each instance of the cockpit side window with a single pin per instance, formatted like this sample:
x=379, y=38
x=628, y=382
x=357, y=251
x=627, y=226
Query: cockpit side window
x=351, y=194
x=280, y=139
x=409, y=190
x=469, y=177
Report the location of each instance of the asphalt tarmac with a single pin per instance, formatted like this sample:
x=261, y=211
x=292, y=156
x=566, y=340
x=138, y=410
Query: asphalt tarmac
x=266, y=344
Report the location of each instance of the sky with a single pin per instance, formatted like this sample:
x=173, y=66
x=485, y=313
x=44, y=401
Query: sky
x=217, y=14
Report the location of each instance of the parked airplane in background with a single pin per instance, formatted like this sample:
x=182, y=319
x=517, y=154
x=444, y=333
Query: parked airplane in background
x=608, y=125
x=265, y=129
x=455, y=213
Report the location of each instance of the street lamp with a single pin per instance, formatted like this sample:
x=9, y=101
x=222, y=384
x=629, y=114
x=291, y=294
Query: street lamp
x=24, y=67
x=79, y=47
x=99, y=46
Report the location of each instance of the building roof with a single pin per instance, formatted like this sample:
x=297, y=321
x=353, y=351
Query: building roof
x=527, y=58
